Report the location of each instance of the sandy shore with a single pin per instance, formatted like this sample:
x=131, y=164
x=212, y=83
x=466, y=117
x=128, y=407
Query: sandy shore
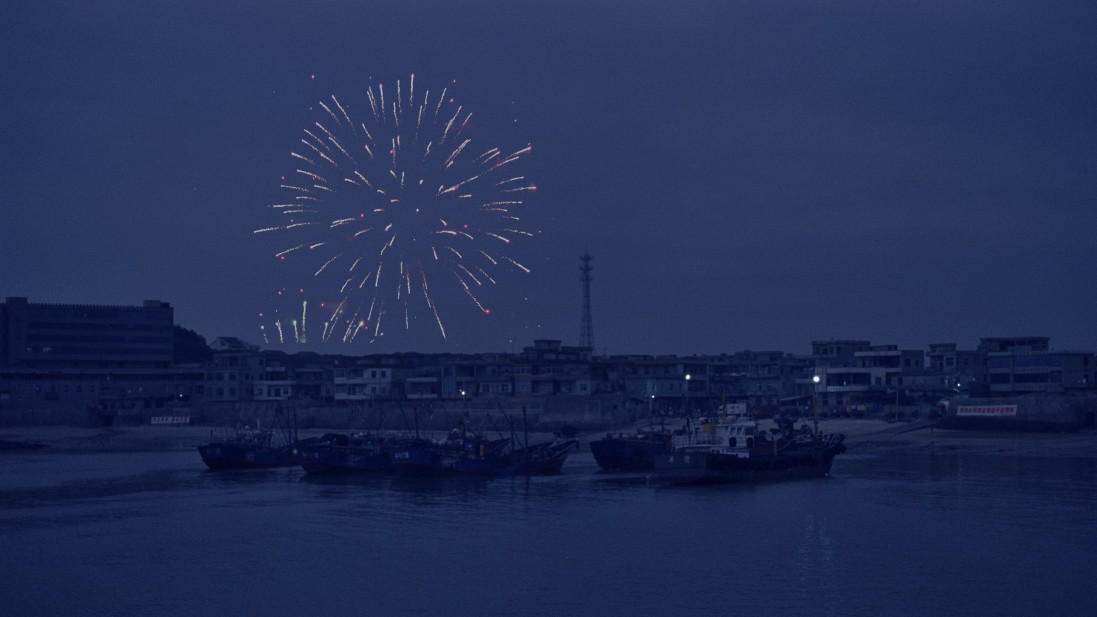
x=152, y=438
x=862, y=436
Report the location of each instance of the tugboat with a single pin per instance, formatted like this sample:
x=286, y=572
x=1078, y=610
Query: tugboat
x=732, y=450
x=247, y=448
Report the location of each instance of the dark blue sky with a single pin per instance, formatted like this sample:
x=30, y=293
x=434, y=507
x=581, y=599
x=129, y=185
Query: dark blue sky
x=746, y=175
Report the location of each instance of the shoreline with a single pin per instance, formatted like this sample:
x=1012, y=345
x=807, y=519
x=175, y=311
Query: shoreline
x=862, y=437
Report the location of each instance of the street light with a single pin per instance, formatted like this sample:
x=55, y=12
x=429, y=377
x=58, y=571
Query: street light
x=685, y=392
x=815, y=404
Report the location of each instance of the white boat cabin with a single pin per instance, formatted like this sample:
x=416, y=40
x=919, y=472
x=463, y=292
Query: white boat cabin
x=729, y=435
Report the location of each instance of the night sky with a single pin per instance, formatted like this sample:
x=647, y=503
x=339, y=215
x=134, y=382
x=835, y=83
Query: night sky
x=747, y=175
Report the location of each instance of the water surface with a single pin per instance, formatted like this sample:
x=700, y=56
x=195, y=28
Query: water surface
x=904, y=533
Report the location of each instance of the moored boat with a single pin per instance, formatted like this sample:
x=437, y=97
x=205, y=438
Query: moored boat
x=628, y=452
x=336, y=453
x=733, y=450
x=543, y=458
x=247, y=448
x=462, y=452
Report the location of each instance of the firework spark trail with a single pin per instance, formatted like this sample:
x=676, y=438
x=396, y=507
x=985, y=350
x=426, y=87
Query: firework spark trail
x=394, y=177
x=326, y=264
x=517, y=265
x=304, y=319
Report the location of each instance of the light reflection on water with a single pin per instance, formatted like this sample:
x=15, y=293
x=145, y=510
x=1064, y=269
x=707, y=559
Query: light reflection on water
x=897, y=533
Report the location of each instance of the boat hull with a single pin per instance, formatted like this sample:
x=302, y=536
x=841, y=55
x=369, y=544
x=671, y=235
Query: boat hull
x=343, y=461
x=445, y=459
x=713, y=467
x=336, y=454
x=543, y=459
x=237, y=456
x=628, y=453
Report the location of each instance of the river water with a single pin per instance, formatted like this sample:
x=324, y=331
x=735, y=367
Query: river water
x=890, y=533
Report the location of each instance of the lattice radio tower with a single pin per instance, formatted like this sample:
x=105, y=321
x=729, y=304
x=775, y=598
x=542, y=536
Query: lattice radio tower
x=586, y=330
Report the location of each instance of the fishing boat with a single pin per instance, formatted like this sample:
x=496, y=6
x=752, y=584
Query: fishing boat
x=629, y=452
x=543, y=458
x=462, y=452
x=247, y=448
x=336, y=453
x=732, y=450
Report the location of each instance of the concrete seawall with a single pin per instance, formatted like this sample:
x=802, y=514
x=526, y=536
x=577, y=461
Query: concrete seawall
x=1037, y=412
x=540, y=413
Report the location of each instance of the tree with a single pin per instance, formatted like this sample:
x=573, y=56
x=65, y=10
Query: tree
x=190, y=347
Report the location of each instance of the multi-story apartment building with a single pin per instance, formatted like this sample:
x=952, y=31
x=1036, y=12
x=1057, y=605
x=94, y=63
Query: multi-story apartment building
x=769, y=379
x=1027, y=364
x=658, y=381
x=71, y=336
x=480, y=375
x=836, y=352
x=361, y=383
x=960, y=369
x=873, y=374
x=232, y=374
x=551, y=368
x=1022, y=372
x=109, y=357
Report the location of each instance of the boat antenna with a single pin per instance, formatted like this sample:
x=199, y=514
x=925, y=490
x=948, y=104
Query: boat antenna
x=407, y=425
x=496, y=426
x=510, y=422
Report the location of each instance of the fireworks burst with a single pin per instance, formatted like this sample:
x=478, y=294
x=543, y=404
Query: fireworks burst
x=391, y=202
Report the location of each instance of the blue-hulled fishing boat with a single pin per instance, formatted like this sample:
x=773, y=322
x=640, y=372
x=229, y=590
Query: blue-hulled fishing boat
x=247, y=448
x=462, y=452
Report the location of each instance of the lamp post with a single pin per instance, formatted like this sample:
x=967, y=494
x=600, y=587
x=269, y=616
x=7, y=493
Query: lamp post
x=815, y=404
x=685, y=392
